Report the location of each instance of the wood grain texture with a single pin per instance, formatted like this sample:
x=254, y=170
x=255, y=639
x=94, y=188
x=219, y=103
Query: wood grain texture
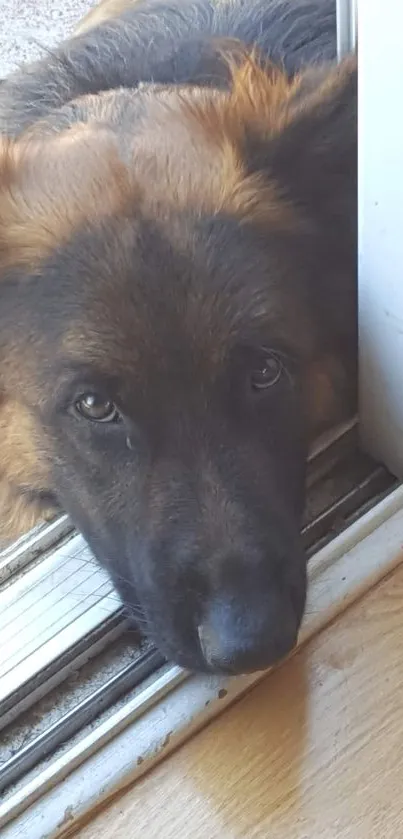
x=314, y=752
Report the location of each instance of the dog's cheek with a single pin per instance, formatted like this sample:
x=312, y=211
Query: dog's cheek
x=23, y=471
x=326, y=394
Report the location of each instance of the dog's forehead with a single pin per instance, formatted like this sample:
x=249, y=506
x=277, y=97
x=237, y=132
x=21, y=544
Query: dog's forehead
x=160, y=149
x=148, y=241
x=137, y=292
x=147, y=292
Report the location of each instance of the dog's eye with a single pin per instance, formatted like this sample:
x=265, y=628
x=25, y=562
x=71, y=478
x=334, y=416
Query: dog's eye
x=94, y=407
x=267, y=373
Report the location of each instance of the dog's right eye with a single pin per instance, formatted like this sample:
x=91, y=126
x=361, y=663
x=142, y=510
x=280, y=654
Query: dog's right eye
x=267, y=373
x=94, y=407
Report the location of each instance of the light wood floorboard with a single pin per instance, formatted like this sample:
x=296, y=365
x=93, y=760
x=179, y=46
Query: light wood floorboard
x=314, y=752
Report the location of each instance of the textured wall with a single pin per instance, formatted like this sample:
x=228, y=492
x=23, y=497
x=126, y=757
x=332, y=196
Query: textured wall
x=29, y=25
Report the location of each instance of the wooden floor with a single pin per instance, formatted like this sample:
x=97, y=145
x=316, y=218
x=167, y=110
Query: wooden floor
x=314, y=752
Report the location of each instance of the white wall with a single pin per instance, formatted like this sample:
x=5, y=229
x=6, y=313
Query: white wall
x=380, y=50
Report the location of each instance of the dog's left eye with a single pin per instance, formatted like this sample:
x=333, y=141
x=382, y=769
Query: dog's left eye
x=94, y=407
x=267, y=373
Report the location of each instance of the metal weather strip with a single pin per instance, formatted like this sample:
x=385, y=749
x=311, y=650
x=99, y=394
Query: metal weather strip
x=79, y=716
x=31, y=546
x=165, y=714
x=346, y=14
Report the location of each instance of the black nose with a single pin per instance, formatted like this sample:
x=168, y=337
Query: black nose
x=237, y=639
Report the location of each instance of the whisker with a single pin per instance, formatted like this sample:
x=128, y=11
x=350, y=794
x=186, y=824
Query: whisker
x=116, y=575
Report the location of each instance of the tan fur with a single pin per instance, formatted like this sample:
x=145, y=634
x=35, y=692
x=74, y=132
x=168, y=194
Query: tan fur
x=262, y=99
x=258, y=99
x=49, y=187
x=21, y=467
x=19, y=516
x=102, y=11
x=323, y=382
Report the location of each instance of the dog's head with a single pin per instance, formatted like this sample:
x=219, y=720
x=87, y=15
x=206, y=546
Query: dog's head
x=172, y=336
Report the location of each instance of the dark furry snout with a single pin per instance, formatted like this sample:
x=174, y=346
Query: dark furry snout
x=219, y=569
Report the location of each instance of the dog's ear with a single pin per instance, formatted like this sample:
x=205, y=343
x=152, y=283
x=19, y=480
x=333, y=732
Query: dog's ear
x=303, y=134
x=300, y=134
x=293, y=138
x=316, y=155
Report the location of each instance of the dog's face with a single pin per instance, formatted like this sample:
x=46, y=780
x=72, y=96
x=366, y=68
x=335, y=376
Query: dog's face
x=159, y=360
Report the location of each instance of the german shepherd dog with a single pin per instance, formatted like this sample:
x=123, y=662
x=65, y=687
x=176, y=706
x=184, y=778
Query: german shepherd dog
x=178, y=305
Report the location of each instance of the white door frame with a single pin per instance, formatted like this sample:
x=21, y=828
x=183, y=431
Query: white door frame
x=380, y=220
